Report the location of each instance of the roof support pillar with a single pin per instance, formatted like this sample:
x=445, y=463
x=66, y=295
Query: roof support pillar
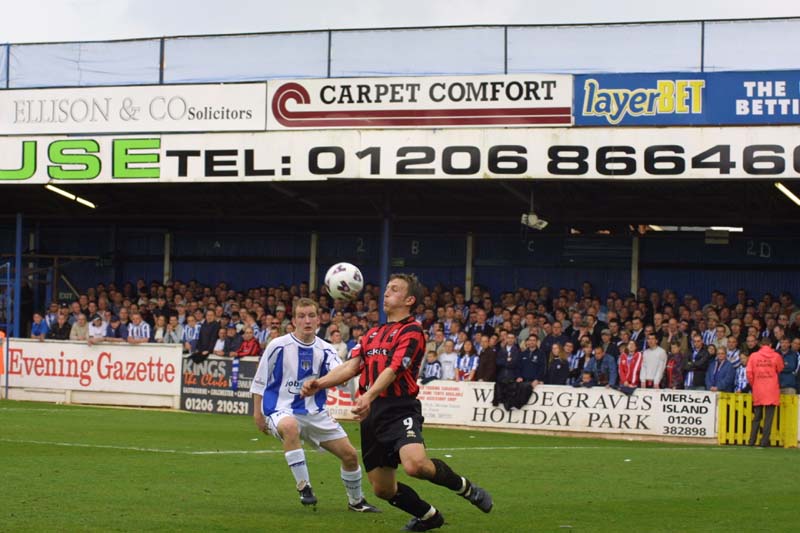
x=635, y=265
x=384, y=265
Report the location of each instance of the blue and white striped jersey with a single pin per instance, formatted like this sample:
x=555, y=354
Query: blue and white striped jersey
x=190, y=333
x=574, y=362
x=709, y=336
x=733, y=358
x=262, y=336
x=140, y=331
x=432, y=370
x=741, y=378
x=285, y=365
x=468, y=363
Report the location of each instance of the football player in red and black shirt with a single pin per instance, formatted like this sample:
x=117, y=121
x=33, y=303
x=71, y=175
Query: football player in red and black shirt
x=388, y=358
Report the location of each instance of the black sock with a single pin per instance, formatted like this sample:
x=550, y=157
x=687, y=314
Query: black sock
x=406, y=499
x=445, y=477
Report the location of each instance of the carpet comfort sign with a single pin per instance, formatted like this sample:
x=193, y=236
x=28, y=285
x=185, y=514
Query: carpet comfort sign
x=524, y=100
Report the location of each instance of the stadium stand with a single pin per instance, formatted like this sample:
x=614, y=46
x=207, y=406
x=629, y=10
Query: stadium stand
x=571, y=324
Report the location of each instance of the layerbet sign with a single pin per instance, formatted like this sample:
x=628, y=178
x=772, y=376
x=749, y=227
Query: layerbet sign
x=524, y=101
x=688, y=99
x=102, y=367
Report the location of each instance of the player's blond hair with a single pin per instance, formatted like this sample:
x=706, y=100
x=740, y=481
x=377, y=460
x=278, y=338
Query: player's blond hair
x=306, y=302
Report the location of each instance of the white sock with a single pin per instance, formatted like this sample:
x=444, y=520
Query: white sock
x=429, y=514
x=464, y=490
x=352, y=484
x=296, y=459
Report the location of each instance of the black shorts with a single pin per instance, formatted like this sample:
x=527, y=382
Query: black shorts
x=392, y=423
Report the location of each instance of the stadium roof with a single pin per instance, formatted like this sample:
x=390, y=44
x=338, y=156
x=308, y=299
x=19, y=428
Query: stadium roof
x=467, y=204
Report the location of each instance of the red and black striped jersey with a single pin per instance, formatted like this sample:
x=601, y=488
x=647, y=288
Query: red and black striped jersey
x=397, y=345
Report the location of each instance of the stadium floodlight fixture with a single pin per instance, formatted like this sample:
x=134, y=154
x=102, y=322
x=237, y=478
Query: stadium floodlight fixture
x=533, y=221
x=729, y=229
x=62, y=192
x=87, y=203
x=789, y=194
x=69, y=195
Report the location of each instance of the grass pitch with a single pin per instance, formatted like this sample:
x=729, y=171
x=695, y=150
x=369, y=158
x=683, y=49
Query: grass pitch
x=74, y=468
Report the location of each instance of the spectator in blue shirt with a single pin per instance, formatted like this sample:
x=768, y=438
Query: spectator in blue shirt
x=788, y=376
x=39, y=329
x=114, y=330
x=508, y=361
x=124, y=323
x=602, y=368
x=533, y=362
x=720, y=376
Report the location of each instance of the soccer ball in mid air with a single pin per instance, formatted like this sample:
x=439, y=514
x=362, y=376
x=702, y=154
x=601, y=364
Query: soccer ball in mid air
x=344, y=281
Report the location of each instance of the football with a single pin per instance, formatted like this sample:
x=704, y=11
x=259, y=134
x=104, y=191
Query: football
x=344, y=281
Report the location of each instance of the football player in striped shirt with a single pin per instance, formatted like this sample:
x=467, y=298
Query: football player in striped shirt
x=388, y=358
x=279, y=409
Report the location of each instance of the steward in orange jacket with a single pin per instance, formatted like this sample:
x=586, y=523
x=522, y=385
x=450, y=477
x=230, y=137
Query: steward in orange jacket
x=763, y=368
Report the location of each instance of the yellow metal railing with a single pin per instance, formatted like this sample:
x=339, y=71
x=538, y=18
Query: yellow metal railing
x=736, y=416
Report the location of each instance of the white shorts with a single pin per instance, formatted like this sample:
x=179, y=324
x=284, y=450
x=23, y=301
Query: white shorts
x=318, y=428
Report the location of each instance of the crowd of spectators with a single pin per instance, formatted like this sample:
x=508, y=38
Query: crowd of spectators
x=651, y=339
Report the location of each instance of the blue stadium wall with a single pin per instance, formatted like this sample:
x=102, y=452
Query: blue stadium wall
x=502, y=261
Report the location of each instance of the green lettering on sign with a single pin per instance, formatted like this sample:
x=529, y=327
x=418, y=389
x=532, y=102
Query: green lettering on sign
x=28, y=168
x=123, y=158
x=90, y=164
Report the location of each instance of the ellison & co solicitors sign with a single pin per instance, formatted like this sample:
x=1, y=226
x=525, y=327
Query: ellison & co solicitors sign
x=516, y=126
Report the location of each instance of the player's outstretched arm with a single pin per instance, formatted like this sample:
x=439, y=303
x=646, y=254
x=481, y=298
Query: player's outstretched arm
x=337, y=376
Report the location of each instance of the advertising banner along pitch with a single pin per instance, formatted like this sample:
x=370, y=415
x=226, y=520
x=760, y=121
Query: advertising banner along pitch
x=218, y=385
x=553, y=408
x=142, y=369
x=208, y=387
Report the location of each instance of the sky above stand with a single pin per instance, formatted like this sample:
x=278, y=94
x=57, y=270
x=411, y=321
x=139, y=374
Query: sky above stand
x=24, y=21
